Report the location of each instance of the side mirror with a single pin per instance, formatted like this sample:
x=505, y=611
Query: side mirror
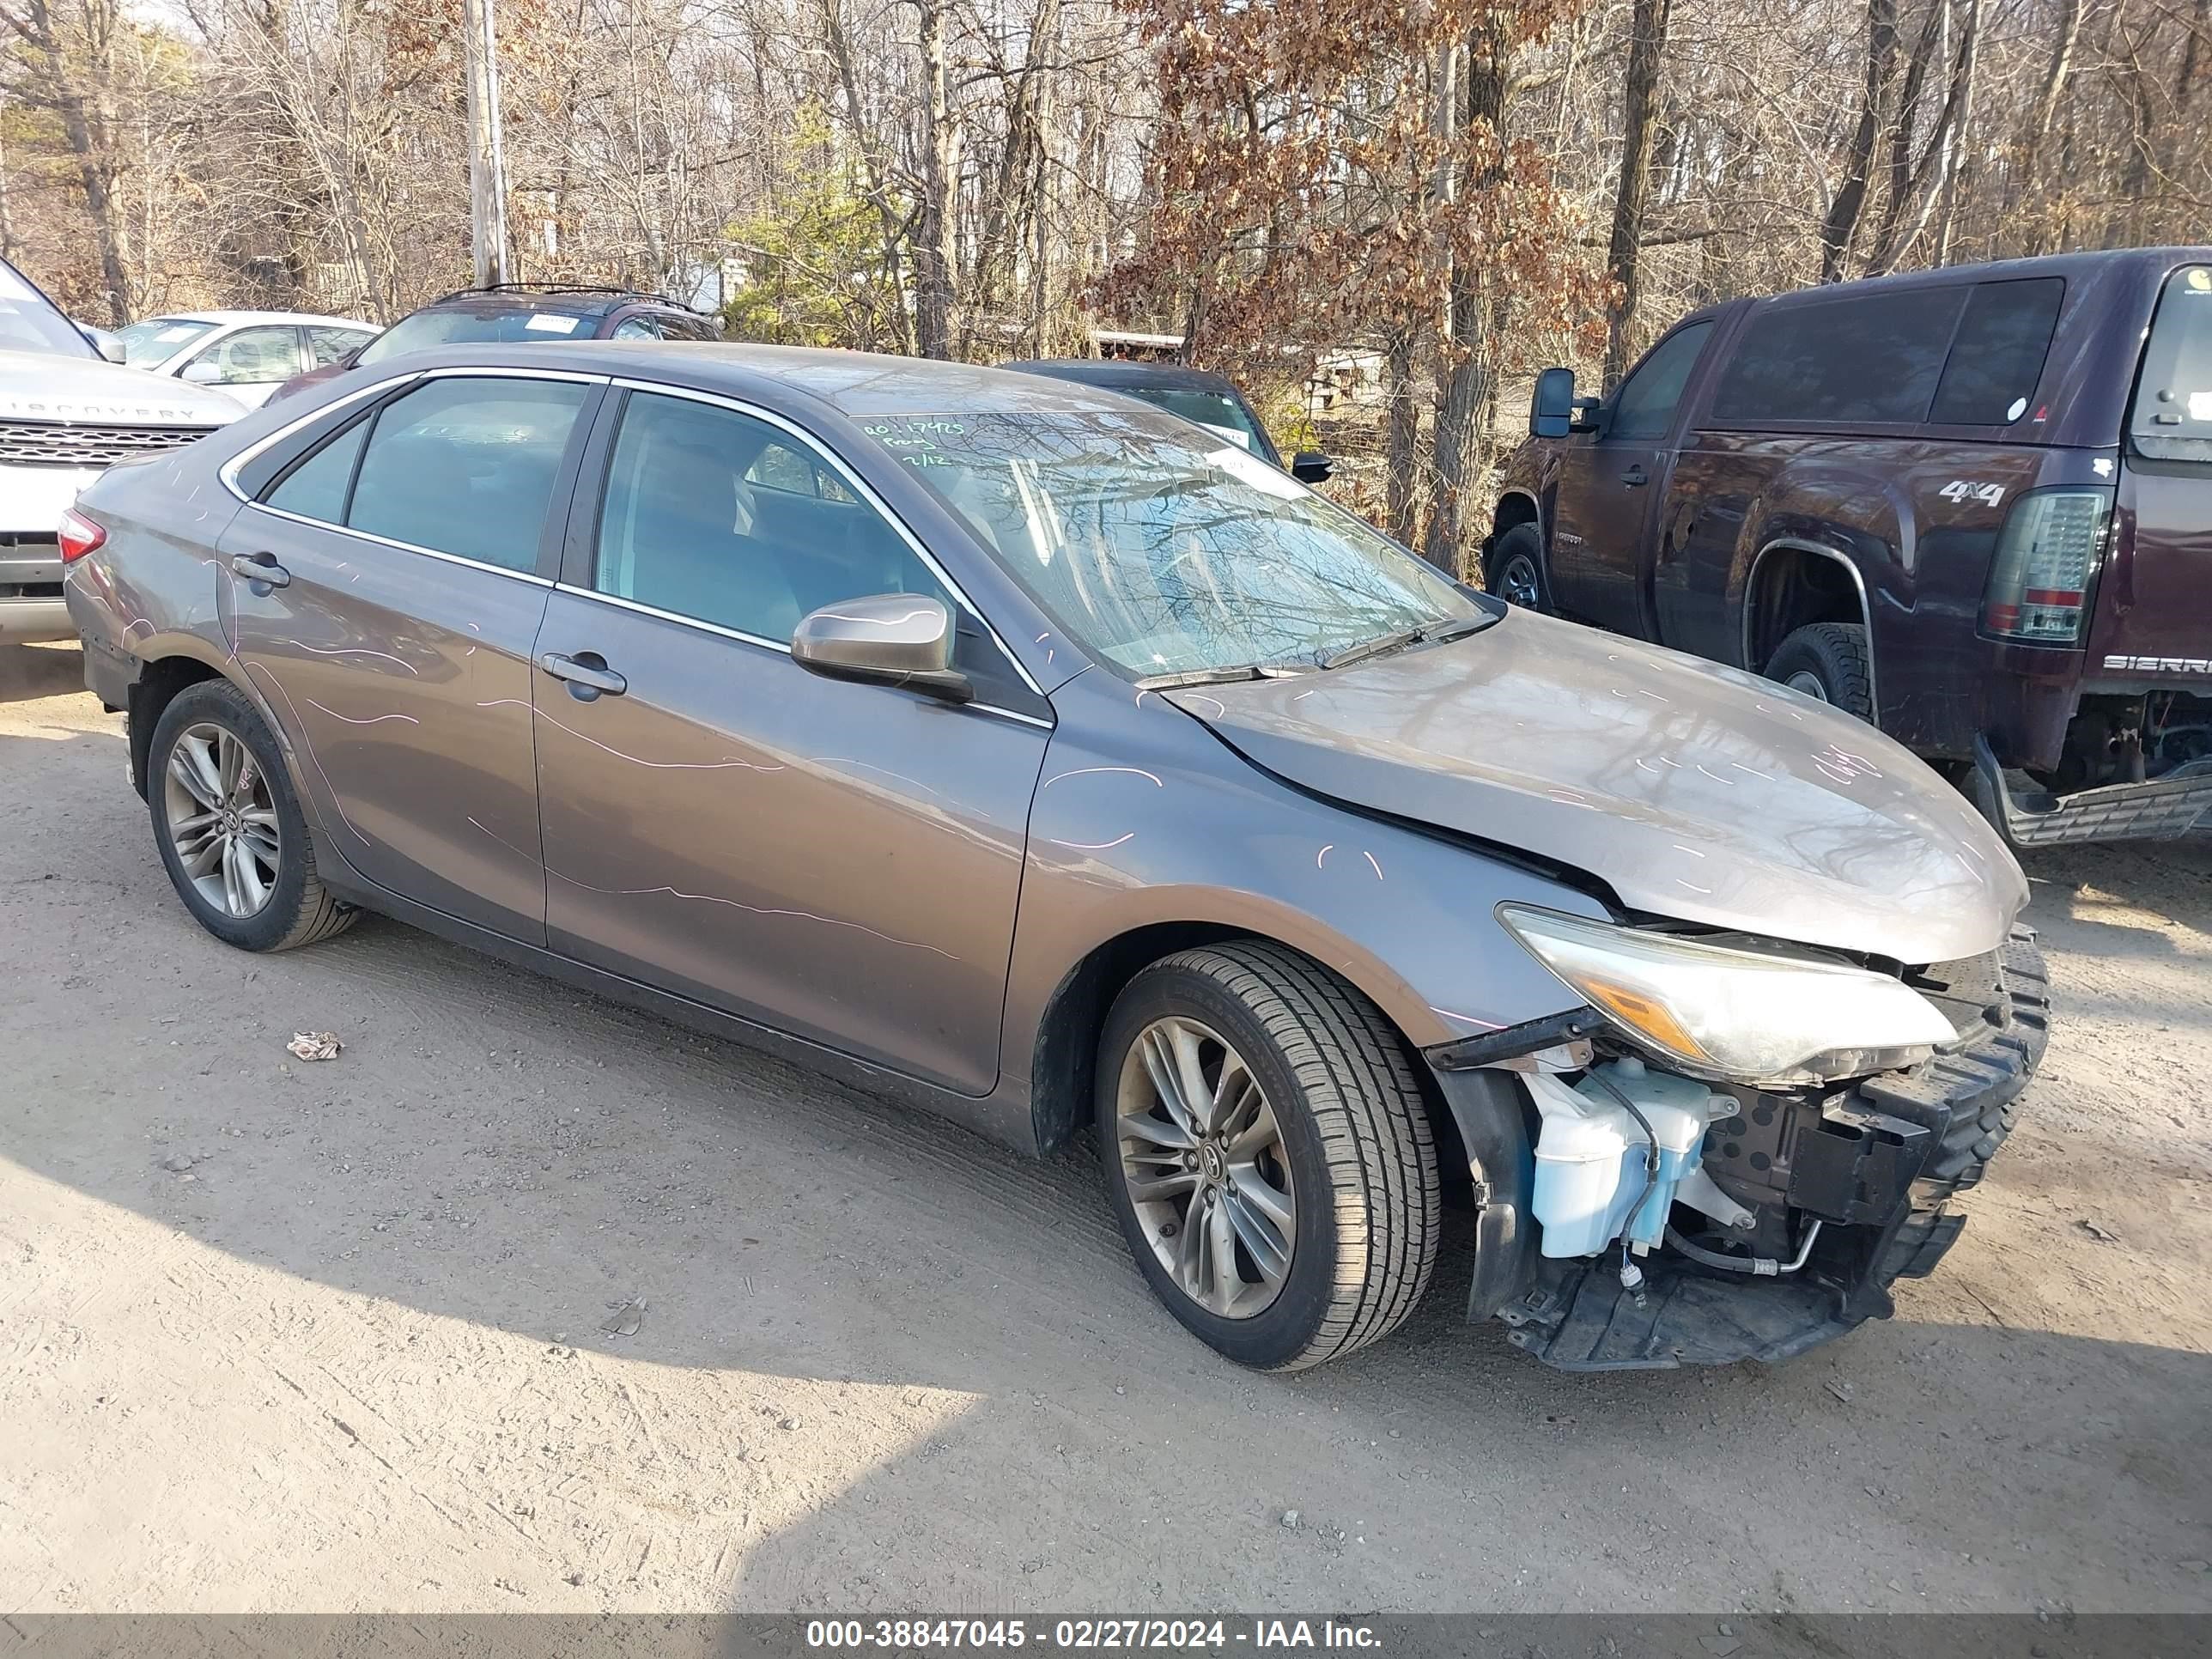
x=108, y=345
x=1552, y=409
x=202, y=373
x=1311, y=466
x=889, y=639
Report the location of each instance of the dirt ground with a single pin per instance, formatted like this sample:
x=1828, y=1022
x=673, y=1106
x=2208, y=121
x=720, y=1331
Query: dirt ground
x=276, y=1335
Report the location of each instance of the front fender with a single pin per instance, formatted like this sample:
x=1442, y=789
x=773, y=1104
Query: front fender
x=1143, y=818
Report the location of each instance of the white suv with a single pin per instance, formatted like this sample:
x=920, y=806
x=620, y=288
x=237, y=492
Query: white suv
x=66, y=416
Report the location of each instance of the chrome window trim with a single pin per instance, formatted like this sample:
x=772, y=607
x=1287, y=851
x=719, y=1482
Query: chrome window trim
x=860, y=488
x=742, y=638
x=373, y=539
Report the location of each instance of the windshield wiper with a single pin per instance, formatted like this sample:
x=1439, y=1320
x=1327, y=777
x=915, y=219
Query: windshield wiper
x=1246, y=670
x=1432, y=633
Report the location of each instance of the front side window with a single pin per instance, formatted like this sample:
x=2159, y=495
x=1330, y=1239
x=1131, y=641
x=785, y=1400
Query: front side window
x=2171, y=420
x=1645, y=406
x=1163, y=548
x=464, y=465
x=1998, y=358
x=1865, y=359
x=713, y=514
x=252, y=356
x=160, y=338
x=28, y=321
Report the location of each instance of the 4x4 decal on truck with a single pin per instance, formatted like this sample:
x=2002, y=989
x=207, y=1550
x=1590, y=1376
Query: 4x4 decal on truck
x=1963, y=489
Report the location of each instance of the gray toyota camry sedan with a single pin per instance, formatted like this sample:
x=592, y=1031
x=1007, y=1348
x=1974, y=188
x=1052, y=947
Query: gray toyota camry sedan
x=1046, y=762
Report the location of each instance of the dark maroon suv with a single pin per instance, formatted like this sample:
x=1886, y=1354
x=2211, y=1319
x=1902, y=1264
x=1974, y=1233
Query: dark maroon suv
x=1972, y=506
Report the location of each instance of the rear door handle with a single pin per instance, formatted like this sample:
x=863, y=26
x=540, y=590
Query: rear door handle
x=260, y=568
x=587, y=673
x=1635, y=477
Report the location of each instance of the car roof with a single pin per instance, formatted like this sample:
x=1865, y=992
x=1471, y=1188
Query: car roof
x=857, y=385
x=566, y=301
x=2080, y=264
x=1126, y=375
x=222, y=317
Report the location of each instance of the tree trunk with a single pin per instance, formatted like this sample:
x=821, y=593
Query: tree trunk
x=1844, y=212
x=1647, y=46
x=933, y=243
x=1403, y=425
x=1465, y=358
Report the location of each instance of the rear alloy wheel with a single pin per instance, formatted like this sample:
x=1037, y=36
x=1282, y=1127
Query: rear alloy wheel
x=1827, y=661
x=1267, y=1153
x=1514, y=570
x=230, y=832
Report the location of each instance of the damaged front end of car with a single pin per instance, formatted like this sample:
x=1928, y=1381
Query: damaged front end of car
x=1735, y=1147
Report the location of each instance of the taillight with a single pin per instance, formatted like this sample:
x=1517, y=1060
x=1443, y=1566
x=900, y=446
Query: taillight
x=2045, y=568
x=78, y=535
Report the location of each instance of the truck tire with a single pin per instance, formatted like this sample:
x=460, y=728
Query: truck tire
x=1514, y=570
x=1828, y=661
x=1267, y=1153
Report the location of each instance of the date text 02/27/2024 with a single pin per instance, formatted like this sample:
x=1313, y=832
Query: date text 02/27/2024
x=1086, y=1634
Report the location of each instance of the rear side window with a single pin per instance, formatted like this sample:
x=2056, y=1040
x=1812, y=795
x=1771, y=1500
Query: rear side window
x=464, y=465
x=2171, y=420
x=316, y=488
x=1998, y=358
x=1867, y=359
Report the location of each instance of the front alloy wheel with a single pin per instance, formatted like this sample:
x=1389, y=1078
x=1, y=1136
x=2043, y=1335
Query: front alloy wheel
x=1204, y=1167
x=1267, y=1153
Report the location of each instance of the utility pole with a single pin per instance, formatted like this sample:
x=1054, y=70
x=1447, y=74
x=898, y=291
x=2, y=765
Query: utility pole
x=487, y=163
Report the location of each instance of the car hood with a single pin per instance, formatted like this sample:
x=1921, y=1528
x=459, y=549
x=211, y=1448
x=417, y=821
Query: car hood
x=1694, y=792
x=43, y=386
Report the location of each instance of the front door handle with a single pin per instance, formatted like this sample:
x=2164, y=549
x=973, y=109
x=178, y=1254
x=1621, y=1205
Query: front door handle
x=587, y=673
x=1635, y=477
x=260, y=568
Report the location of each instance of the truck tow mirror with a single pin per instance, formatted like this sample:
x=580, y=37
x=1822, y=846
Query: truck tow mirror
x=1551, y=410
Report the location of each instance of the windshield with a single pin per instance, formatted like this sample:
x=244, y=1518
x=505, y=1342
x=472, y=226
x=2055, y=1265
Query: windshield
x=455, y=327
x=1224, y=414
x=28, y=321
x=159, y=338
x=1164, y=551
x=2172, y=416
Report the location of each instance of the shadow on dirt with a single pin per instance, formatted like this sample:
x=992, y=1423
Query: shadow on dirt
x=40, y=671
x=495, y=1149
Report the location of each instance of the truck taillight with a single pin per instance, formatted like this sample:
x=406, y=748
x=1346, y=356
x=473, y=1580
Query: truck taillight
x=2045, y=568
x=78, y=535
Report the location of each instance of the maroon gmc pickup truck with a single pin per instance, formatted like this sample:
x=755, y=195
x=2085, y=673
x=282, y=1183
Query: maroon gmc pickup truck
x=1972, y=506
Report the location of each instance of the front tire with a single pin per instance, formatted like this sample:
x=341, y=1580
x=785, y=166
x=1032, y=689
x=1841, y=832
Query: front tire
x=1514, y=570
x=1267, y=1153
x=1828, y=661
x=229, y=828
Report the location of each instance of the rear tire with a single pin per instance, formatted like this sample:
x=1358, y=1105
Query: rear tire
x=1351, y=1158
x=1514, y=570
x=1828, y=661
x=231, y=772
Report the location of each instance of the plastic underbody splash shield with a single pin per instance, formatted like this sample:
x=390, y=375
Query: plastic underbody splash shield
x=1876, y=1164
x=2164, y=808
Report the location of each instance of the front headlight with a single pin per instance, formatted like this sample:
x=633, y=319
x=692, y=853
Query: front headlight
x=1738, y=1015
